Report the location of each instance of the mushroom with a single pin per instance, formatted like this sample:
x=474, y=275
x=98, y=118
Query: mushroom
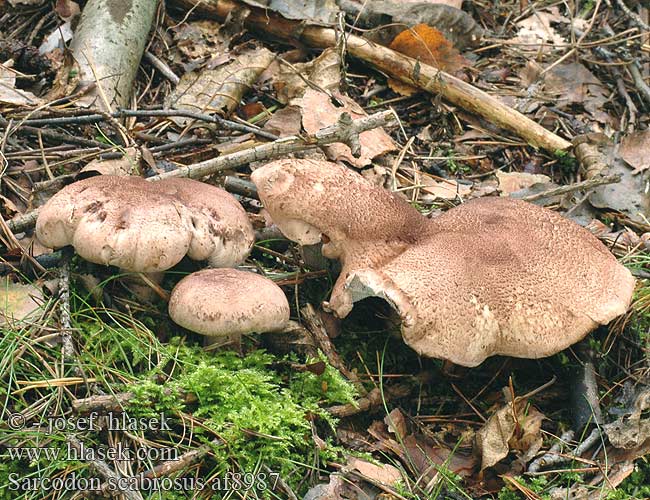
x=146, y=226
x=491, y=276
x=227, y=303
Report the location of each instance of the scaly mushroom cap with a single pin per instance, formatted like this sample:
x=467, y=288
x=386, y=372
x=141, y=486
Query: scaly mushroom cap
x=146, y=226
x=223, y=302
x=491, y=276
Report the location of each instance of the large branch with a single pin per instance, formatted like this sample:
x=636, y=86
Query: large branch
x=108, y=45
x=394, y=64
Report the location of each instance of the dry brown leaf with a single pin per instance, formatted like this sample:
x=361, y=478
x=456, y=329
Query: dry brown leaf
x=502, y=432
x=421, y=454
x=318, y=111
x=511, y=182
x=219, y=90
x=18, y=302
x=383, y=473
x=324, y=72
x=284, y=122
x=429, y=46
x=129, y=164
x=396, y=424
x=629, y=196
x=446, y=189
x=573, y=83
x=320, y=11
x=635, y=150
x=457, y=4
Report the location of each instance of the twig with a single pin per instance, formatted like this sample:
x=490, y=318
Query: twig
x=164, y=113
x=64, y=308
x=114, y=403
x=374, y=399
x=240, y=186
x=315, y=326
x=162, y=67
x=639, y=82
x=554, y=457
x=551, y=457
x=182, y=462
x=633, y=16
x=578, y=186
x=341, y=132
x=29, y=130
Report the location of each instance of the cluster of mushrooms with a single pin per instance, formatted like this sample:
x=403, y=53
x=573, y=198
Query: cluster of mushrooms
x=491, y=276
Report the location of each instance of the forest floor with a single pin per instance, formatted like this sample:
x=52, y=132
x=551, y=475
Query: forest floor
x=102, y=395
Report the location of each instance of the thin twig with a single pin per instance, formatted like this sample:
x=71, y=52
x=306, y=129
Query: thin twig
x=578, y=186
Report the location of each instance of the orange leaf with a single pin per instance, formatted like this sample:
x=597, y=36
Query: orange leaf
x=429, y=46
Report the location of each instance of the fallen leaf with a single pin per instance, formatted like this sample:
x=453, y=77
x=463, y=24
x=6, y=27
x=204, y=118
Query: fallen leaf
x=510, y=182
x=429, y=46
x=19, y=302
x=573, y=83
x=219, y=90
x=391, y=17
x=446, y=189
x=9, y=94
x=318, y=111
x=630, y=196
x=503, y=433
x=284, y=122
x=383, y=473
x=635, y=150
x=323, y=72
x=57, y=39
x=328, y=491
x=396, y=424
x=129, y=164
x=422, y=455
x=492, y=439
x=321, y=11
x=536, y=30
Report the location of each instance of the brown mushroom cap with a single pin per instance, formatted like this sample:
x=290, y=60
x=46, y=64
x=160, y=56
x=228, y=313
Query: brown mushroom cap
x=146, y=226
x=491, y=276
x=224, y=302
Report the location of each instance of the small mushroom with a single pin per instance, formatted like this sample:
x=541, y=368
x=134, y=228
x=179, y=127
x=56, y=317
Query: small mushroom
x=491, y=276
x=146, y=226
x=226, y=303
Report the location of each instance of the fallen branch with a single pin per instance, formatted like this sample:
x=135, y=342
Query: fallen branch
x=346, y=131
x=578, y=186
x=343, y=131
x=393, y=63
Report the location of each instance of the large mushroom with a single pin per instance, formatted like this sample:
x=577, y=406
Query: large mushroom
x=491, y=276
x=223, y=304
x=146, y=226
